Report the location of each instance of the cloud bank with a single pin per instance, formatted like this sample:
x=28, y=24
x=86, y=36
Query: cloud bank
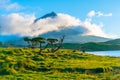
x=23, y=25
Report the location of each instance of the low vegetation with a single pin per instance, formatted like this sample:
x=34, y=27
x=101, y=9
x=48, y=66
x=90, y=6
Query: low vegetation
x=64, y=64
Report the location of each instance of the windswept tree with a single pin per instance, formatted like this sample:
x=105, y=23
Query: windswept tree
x=53, y=42
x=39, y=40
x=60, y=43
x=28, y=40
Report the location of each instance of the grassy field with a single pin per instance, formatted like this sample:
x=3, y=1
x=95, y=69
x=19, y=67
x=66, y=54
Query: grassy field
x=28, y=64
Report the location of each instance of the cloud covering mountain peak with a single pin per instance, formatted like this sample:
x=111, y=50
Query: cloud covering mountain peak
x=29, y=25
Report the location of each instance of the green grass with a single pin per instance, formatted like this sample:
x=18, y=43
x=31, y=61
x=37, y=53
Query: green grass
x=28, y=64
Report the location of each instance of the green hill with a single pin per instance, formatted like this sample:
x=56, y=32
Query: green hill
x=95, y=46
x=28, y=64
x=92, y=46
x=115, y=41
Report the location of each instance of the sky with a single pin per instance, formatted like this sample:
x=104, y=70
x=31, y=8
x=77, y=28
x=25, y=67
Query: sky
x=97, y=17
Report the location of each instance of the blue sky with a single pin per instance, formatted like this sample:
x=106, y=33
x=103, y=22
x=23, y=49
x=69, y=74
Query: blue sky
x=105, y=12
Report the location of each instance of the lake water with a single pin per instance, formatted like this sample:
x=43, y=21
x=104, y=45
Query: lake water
x=107, y=53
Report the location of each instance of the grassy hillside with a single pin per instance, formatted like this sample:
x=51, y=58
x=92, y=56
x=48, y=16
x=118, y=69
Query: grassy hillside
x=28, y=64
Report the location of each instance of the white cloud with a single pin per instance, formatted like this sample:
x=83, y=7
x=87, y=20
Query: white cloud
x=93, y=29
x=22, y=24
x=93, y=13
x=16, y=24
x=102, y=14
x=7, y=5
x=96, y=29
x=61, y=21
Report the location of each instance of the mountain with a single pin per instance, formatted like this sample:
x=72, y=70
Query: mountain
x=84, y=39
x=72, y=35
x=52, y=15
x=115, y=41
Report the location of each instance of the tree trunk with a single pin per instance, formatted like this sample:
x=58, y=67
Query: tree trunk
x=52, y=49
x=60, y=44
x=46, y=46
x=40, y=48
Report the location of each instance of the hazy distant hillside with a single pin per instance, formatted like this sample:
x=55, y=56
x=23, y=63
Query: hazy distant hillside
x=84, y=39
x=72, y=36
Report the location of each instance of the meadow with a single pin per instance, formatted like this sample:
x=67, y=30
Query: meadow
x=64, y=64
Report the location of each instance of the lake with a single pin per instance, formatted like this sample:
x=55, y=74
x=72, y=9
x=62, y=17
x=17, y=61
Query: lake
x=107, y=53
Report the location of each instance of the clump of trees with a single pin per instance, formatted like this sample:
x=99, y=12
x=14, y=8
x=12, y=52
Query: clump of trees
x=53, y=43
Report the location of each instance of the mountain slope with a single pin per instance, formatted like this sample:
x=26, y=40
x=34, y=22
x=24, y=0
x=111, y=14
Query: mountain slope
x=73, y=36
x=85, y=39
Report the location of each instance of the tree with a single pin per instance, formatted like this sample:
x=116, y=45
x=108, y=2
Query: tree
x=60, y=43
x=53, y=42
x=28, y=40
x=39, y=40
x=33, y=43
